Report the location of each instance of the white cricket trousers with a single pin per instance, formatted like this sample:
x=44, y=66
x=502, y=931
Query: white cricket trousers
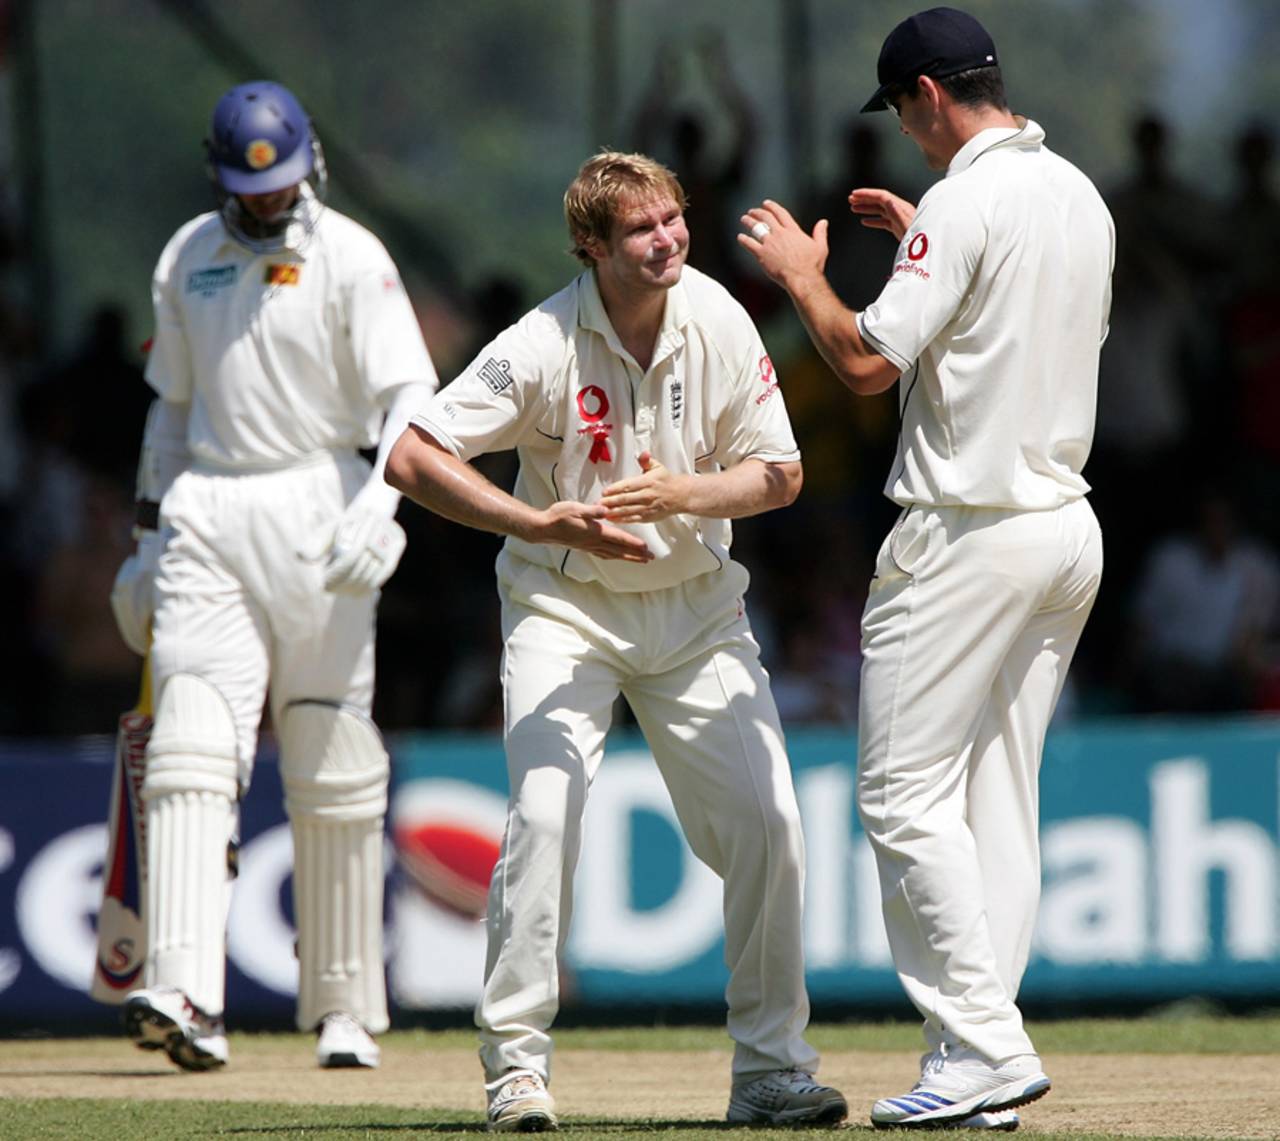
x=970, y=625
x=241, y=606
x=240, y=593
x=686, y=661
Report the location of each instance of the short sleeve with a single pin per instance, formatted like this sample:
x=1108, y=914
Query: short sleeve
x=754, y=423
x=168, y=369
x=495, y=403
x=386, y=339
x=932, y=272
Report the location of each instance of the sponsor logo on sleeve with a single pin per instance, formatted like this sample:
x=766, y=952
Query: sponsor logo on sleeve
x=496, y=375
x=287, y=274
x=915, y=253
x=593, y=407
x=213, y=278
x=768, y=379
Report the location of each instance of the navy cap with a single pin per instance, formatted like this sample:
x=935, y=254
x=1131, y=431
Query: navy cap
x=938, y=42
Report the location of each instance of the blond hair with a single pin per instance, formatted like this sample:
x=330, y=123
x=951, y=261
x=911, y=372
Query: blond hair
x=605, y=184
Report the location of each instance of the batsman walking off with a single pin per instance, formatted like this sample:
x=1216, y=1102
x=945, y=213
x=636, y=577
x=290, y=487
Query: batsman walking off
x=991, y=324
x=283, y=341
x=646, y=416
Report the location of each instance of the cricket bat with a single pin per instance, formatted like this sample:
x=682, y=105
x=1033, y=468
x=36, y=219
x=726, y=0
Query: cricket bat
x=122, y=932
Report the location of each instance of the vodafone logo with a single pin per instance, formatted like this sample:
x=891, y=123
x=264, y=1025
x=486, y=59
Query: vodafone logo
x=919, y=247
x=767, y=378
x=593, y=404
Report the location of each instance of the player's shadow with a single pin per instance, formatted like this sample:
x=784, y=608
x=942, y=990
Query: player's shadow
x=362, y=1127
x=654, y=1124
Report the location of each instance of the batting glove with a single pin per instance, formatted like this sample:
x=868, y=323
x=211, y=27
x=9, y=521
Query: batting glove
x=133, y=594
x=365, y=551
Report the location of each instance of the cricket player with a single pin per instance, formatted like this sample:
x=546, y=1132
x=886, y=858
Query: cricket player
x=991, y=324
x=284, y=342
x=646, y=415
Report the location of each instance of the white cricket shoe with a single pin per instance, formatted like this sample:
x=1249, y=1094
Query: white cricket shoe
x=519, y=1103
x=1002, y=1121
x=344, y=1044
x=163, y=1018
x=786, y=1097
x=958, y=1084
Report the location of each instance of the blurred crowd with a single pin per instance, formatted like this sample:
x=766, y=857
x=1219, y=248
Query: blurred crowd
x=1185, y=467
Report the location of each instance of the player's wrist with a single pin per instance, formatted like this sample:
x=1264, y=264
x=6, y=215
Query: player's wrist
x=146, y=516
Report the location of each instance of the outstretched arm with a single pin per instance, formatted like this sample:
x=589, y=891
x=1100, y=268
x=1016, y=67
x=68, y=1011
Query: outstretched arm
x=796, y=260
x=433, y=477
x=749, y=488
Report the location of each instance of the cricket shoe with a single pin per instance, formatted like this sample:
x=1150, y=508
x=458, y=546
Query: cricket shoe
x=959, y=1084
x=1001, y=1121
x=344, y=1044
x=786, y=1097
x=519, y=1103
x=163, y=1018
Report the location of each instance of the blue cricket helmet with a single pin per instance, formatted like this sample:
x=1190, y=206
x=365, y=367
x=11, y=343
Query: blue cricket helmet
x=260, y=139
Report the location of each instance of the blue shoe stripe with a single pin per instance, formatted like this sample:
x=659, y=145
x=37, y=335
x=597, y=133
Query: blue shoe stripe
x=920, y=1101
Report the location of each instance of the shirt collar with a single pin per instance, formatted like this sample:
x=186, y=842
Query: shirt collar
x=675, y=315
x=1027, y=135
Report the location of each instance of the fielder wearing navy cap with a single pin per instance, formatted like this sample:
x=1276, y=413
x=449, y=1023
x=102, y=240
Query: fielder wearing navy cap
x=937, y=42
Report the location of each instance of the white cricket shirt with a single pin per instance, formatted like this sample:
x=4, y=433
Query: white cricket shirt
x=995, y=313
x=283, y=355
x=559, y=387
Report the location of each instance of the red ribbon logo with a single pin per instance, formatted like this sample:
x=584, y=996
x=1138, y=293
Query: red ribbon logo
x=593, y=407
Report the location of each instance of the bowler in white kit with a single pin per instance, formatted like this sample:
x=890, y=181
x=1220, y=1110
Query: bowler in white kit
x=284, y=343
x=990, y=324
x=646, y=415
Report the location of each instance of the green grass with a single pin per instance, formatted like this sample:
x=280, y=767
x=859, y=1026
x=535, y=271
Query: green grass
x=79, y=1118
x=34, y=1120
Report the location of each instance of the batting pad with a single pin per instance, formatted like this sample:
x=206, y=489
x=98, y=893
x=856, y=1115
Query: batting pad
x=190, y=791
x=335, y=773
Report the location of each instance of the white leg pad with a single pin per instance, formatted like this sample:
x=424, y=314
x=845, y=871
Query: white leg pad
x=190, y=792
x=335, y=773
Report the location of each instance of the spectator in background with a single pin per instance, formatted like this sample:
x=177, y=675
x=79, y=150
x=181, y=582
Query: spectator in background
x=1151, y=383
x=103, y=394
x=1251, y=329
x=1205, y=618
x=685, y=137
x=1157, y=208
x=860, y=257
x=93, y=675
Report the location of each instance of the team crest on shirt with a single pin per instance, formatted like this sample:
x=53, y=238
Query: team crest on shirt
x=211, y=279
x=677, y=401
x=768, y=379
x=496, y=375
x=593, y=407
x=289, y=273
x=913, y=254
